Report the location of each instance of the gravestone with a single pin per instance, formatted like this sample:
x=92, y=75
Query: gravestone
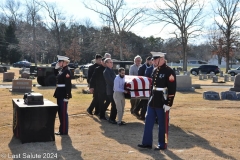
x=204, y=76
x=8, y=76
x=211, y=95
x=226, y=78
x=25, y=75
x=77, y=71
x=177, y=72
x=221, y=74
x=188, y=73
x=212, y=74
x=232, y=78
x=229, y=95
x=209, y=76
x=200, y=77
x=184, y=83
x=236, y=84
x=21, y=85
x=215, y=79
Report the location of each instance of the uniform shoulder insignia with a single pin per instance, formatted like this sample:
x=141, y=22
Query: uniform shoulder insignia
x=67, y=75
x=171, y=78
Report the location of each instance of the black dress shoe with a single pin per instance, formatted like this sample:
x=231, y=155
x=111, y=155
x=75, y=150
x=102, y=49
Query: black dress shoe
x=159, y=148
x=90, y=113
x=59, y=133
x=112, y=121
x=145, y=146
x=122, y=123
x=103, y=118
x=96, y=113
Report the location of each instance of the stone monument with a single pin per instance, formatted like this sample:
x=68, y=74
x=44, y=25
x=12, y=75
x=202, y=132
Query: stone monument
x=236, y=84
x=184, y=83
x=8, y=76
x=211, y=95
x=21, y=85
x=229, y=95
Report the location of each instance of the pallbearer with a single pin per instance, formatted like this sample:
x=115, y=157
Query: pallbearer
x=160, y=101
x=63, y=92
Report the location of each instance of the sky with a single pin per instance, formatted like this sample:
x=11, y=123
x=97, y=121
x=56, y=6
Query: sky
x=76, y=9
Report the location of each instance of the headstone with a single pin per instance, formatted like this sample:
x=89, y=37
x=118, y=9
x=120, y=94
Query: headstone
x=8, y=76
x=177, y=72
x=188, y=73
x=226, y=78
x=200, y=77
x=184, y=72
x=221, y=73
x=232, y=78
x=215, y=79
x=211, y=95
x=209, y=76
x=229, y=95
x=212, y=74
x=21, y=85
x=204, y=76
x=25, y=75
x=236, y=84
x=184, y=83
x=77, y=71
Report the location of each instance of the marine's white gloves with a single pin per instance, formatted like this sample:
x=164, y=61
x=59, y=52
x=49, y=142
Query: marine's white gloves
x=65, y=100
x=166, y=108
x=57, y=66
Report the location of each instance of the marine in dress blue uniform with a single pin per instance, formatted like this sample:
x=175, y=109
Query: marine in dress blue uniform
x=160, y=101
x=63, y=92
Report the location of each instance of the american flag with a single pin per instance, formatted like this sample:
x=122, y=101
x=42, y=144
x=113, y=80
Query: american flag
x=138, y=86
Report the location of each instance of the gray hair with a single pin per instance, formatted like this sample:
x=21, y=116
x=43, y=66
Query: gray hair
x=137, y=57
x=107, y=55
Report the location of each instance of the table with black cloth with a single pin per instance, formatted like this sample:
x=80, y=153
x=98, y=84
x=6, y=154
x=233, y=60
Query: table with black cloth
x=34, y=123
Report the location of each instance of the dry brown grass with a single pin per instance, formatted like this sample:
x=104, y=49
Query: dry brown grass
x=200, y=129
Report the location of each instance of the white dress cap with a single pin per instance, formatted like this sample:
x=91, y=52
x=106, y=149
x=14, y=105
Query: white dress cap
x=63, y=58
x=157, y=54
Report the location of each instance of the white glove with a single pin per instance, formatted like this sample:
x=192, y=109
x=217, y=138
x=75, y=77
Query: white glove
x=57, y=66
x=65, y=100
x=166, y=108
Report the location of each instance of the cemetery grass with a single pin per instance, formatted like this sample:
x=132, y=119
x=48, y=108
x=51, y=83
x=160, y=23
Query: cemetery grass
x=199, y=129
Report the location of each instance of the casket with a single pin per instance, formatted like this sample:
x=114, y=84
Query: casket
x=137, y=86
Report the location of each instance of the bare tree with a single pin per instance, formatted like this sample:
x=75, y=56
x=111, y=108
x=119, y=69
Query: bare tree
x=118, y=16
x=57, y=21
x=11, y=10
x=32, y=10
x=185, y=15
x=228, y=11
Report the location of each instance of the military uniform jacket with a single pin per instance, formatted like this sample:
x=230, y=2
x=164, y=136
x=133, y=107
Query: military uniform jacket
x=64, y=77
x=162, y=77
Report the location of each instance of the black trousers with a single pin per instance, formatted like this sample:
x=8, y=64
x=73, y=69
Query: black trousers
x=143, y=106
x=94, y=103
x=113, y=112
x=103, y=103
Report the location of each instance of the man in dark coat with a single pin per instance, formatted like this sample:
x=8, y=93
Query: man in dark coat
x=63, y=92
x=109, y=76
x=94, y=103
x=98, y=84
x=160, y=101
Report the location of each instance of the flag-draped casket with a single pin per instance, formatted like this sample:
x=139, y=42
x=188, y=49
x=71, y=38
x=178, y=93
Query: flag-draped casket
x=137, y=86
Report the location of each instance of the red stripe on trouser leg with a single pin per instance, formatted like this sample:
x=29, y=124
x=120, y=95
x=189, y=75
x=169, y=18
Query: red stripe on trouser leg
x=166, y=128
x=64, y=117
